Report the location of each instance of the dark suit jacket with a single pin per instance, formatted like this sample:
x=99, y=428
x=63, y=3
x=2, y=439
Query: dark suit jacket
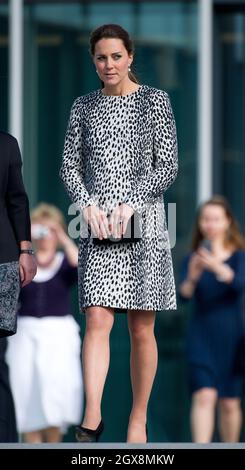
x=14, y=205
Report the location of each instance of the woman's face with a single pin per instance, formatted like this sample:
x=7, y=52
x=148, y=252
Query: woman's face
x=112, y=60
x=213, y=221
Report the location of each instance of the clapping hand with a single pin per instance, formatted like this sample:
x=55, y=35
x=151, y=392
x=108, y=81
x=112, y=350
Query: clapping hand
x=207, y=259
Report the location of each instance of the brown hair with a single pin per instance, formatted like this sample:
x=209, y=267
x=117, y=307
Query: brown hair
x=48, y=211
x=234, y=237
x=117, y=32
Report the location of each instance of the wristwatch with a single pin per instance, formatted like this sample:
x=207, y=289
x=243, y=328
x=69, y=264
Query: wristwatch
x=27, y=251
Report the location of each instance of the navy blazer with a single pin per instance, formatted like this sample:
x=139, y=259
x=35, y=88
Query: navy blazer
x=14, y=204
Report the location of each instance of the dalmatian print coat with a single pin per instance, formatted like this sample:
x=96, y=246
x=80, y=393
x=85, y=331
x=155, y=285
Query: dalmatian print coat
x=123, y=149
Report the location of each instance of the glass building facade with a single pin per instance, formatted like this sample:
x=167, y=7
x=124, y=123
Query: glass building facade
x=58, y=68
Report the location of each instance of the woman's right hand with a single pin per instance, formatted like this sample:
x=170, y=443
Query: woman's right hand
x=98, y=221
x=195, y=268
x=194, y=272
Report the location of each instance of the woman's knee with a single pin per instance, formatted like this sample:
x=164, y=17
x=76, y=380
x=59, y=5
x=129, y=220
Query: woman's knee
x=99, y=320
x=229, y=405
x=141, y=327
x=205, y=397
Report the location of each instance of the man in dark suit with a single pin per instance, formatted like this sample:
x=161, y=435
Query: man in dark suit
x=17, y=264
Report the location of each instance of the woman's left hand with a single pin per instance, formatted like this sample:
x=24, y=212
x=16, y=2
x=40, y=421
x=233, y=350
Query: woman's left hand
x=208, y=260
x=62, y=237
x=122, y=213
x=222, y=271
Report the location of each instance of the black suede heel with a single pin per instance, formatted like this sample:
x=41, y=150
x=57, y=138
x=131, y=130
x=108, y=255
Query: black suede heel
x=88, y=435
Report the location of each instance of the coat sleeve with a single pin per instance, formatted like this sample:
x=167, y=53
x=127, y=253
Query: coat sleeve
x=72, y=170
x=16, y=198
x=165, y=156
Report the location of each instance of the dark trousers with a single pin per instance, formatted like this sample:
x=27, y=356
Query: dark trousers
x=8, y=432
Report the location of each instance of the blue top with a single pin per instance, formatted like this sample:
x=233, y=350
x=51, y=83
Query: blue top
x=50, y=297
x=216, y=326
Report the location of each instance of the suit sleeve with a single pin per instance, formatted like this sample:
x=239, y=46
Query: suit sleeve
x=72, y=170
x=16, y=198
x=165, y=156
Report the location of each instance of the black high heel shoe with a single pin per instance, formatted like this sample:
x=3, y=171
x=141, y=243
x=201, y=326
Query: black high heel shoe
x=88, y=435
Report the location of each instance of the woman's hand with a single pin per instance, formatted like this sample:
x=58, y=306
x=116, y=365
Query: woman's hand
x=102, y=226
x=98, y=221
x=195, y=268
x=122, y=213
x=222, y=271
x=194, y=272
x=208, y=260
x=61, y=235
x=62, y=239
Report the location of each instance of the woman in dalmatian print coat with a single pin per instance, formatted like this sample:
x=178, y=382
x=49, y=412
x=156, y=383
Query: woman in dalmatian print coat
x=120, y=156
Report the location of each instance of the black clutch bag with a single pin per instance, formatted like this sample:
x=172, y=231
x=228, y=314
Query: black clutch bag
x=132, y=235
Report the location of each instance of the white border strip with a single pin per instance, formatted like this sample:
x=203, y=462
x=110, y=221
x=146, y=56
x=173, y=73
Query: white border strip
x=205, y=112
x=16, y=69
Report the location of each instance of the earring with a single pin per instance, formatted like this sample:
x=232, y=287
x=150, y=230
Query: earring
x=97, y=71
x=129, y=68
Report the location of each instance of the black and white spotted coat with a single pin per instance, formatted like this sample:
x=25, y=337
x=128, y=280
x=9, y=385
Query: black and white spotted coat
x=123, y=149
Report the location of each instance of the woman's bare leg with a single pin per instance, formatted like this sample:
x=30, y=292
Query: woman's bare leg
x=34, y=437
x=143, y=363
x=203, y=414
x=95, y=360
x=230, y=419
x=52, y=434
